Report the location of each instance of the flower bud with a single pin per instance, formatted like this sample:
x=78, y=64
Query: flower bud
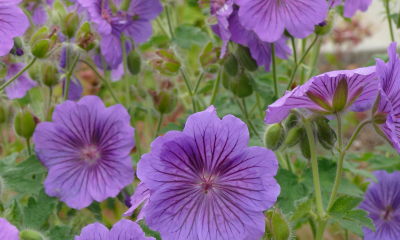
x=24, y=124
x=3, y=114
x=294, y=136
x=18, y=47
x=59, y=10
x=30, y=235
x=134, y=62
x=34, y=71
x=209, y=55
x=231, y=66
x=85, y=37
x=50, y=75
x=380, y=118
x=340, y=96
x=274, y=136
x=241, y=86
x=168, y=65
x=213, y=68
x=166, y=101
x=305, y=147
x=326, y=26
x=280, y=228
x=290, y=121
x=43, y=42
x=325, y=134
x=245, y=58
x=70, y=24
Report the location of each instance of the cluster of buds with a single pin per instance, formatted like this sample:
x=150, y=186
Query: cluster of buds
x=44, y=42
x=209, y=58
x=168, y=65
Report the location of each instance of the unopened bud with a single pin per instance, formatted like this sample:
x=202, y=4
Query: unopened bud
x=43, y=42
x=305, y=147
x=280, y=227
x=245, y=58
x=294, y=136
x=340, y=96
x=274, y=136
x=168, y=65
x=85, y=38
x=209, y=55
x=30, y=235
x=24, y=124
x=231, y=66
x=166, y=101
x=50, y=75
x=326, y=26
x=290, y=121
x=70, y=24
x=325, y=134
x=134, y=62
x=18, y=47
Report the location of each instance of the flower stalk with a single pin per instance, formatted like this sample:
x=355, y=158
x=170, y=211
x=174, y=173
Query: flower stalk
x=18, y=74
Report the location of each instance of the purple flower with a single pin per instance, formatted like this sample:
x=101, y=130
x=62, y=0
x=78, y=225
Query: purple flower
x=269, y=18
x=142, y=194
x=259, y=49
x=8, y=231
x=13, y=23
x=20, y=86
x=351, y=6
x=222, y=9
x=135, y=22
x=382, y=201
x=75, y=86
x=205, y=183
x=388, y=107
x=39, y=13
x=317, y=95
x=117, y=72
x=122, y=230
x=86, y=150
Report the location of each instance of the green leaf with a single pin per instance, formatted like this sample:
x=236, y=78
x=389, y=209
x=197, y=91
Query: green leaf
x=60, y=233
x=38, y=211
x=291, y=190
x=148, y=231
x=15, y=215
x=303, y=209
x=186, y=35
x=353, y=168
x=96, y=210
x=352, y=226
x=7, y=163
x=343, y=207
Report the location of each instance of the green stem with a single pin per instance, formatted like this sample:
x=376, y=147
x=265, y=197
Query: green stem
x=215, y=88
x=198, y=82
x=189, y=89
x=169, y=22
x=3, y=142
x=18, y=74
x=313, y=226
x=294, y=50
x=321, y=229
x=259, y=106
x=303, y=49
x=314, y=161
x=161, y=25
x=300, y=62
x=28, y=144
x=68, y=76
x=136, y=136
x=274, y=70
x=247, y=117
x=289, y=163
x=159, y=123
x=359, y=127
x=346, y=234
x=386, y=2
x=102, y=79
x=314, y=58
x=126, y=79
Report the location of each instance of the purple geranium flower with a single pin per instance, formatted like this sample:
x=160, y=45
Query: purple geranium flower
x=222, y=9
x=8, y=231
x=86, y=150
x=142, y=194
x=259, y=49
x=317, y=95
x=135, y=22
x=20, y=86
x=205, y=183
x=39, y=13
x=13, y=23
x=382, y=201
x=388, y=106
x=122, y=230
x=269, y=18
x=351, y=6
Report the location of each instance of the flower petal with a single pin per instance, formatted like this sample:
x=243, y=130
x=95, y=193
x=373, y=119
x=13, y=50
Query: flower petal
x=95, y=231
x=127, y=230
x=142, y=194
x=8, y=231
x=20, y=86
x=145, y=9
x=13, y=23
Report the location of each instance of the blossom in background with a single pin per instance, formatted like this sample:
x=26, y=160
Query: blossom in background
x=142, y=194
x=222, y=9
x=135, y=22
x=20, y=86
x=358, y=86
x=8, y=231
x=382, y=201
x=351, y=6
x=205, y=183
x=269, y=18
x=122, y=230
x=39, y=13
x=259, y=49
x=75, y=86
x=86, y=150
x=388, y=107
x=13, y=23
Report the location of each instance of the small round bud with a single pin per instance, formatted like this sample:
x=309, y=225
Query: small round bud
x=290, y=121
x=245, y=58
x=24, y=124
x=294, y=136
x=166, y=102
x=280, y=227
x=40, y=49
x=274, y=136
x=43, y=42
x=30, y=235
x=305, y=147
x=50, y=75
x=70, y=24
x=325, y=134
x=231, y=66
x=134, y=62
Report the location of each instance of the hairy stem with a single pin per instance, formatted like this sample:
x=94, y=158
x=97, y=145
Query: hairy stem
x=126, y=79
x=159, y=123
x=18, y=74
x=386, y=2
x=169, y=21
x=321, y=229
x=215, y=88
x=274, y=70
x=68, y=76
x=28, y=144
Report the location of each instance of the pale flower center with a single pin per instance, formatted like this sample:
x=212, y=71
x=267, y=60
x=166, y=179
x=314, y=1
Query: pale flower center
x=90, y=154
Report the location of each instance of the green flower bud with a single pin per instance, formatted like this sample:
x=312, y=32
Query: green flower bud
x=380, y=118
x=231, y=66
x=305, y=147
x=274, y=136
x=34, y=71
x=30, y=235
x=213, y=68
x=325, y=134
x=134, y=62
x=280, y=227
x=24, y=124
x=43, y=42
x=70, y=24
x=294, y=136
x=50, y=75
x=290, y=121
x=340, y=96
x=3, y=114
x=166, y=101
x=327, y=25
x=245, y=58
x=168, y=65
x=85, y=37
x=242, y=86
x=209, y=55
x=59, y=10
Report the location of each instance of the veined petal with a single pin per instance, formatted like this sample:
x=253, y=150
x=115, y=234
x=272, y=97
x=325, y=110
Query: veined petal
x=145, y=9
x=140, y=30
x=95, y=231
x=127, y=230
x=111, y=49
x=142, y=194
